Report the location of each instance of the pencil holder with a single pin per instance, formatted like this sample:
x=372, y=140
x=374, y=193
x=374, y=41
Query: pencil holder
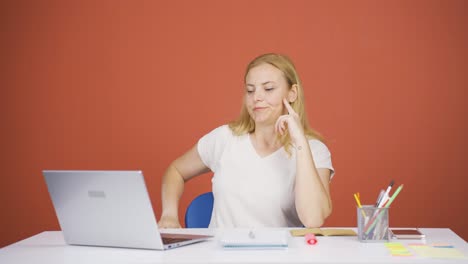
x=372, y=224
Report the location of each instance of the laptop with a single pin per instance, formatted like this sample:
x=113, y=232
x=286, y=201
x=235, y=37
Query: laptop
x=110, y=209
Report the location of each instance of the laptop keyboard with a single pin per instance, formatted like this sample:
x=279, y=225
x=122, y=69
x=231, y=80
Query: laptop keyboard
x=171, y=240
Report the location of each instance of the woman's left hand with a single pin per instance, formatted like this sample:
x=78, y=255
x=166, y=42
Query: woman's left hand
x=292, y=123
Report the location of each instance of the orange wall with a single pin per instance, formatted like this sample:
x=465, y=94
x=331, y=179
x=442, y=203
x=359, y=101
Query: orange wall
x=133, y=84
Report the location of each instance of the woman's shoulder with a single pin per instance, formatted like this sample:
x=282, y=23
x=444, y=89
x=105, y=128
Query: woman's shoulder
x=317, y=145
x=222, y=131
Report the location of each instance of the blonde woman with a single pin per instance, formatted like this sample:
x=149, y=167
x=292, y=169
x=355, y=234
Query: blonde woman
x=270, y=168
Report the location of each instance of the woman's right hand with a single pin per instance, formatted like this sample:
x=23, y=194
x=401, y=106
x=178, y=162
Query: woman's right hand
x=181, y=170
x=169, y=222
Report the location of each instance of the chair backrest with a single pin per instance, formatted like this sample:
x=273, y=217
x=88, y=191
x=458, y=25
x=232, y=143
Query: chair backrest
x=198, y=214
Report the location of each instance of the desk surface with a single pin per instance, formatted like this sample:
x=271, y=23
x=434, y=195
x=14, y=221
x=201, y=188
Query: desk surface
x=49, y=247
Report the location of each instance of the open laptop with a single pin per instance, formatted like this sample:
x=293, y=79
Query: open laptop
x=108, y=208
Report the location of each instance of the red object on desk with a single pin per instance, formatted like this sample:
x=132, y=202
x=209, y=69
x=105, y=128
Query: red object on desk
x=310, y=239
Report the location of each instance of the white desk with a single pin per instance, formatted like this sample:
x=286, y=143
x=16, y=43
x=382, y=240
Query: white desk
x=49, y=247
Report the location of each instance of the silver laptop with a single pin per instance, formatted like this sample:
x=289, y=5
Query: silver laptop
x=108, y=208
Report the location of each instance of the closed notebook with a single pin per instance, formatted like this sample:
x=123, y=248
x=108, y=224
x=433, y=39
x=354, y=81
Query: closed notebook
x=407, y=233
x=323, y=232
x=254, y=239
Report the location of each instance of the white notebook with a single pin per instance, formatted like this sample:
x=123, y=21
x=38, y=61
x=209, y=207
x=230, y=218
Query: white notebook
x=254, y=239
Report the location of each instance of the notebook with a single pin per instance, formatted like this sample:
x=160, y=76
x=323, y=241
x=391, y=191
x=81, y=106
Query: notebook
x=254, y=239
x=108, y=208
x=407, y=233
x=323, y=232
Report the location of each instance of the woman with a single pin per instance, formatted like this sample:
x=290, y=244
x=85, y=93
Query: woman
x=270, y=168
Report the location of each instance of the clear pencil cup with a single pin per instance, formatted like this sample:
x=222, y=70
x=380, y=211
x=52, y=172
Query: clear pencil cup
x=372, y=224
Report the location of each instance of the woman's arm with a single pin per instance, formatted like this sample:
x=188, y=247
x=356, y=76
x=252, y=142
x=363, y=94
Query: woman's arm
x=181, y=170
x=312, y=193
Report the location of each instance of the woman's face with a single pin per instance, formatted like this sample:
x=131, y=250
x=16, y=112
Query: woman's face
x=265, y=87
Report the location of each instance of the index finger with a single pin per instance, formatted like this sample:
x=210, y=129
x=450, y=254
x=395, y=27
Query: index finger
x=288, y=106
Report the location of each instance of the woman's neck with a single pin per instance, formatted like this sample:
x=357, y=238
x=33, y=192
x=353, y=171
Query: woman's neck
x=265, y=137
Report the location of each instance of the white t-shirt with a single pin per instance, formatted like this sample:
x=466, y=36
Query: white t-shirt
x=251, y=191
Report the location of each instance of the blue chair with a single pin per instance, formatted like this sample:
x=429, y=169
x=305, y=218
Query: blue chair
x=198, y=214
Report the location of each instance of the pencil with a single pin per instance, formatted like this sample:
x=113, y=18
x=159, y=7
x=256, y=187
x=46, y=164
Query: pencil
x=359, y=205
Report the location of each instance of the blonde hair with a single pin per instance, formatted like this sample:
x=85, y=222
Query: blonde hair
x=245, y=124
